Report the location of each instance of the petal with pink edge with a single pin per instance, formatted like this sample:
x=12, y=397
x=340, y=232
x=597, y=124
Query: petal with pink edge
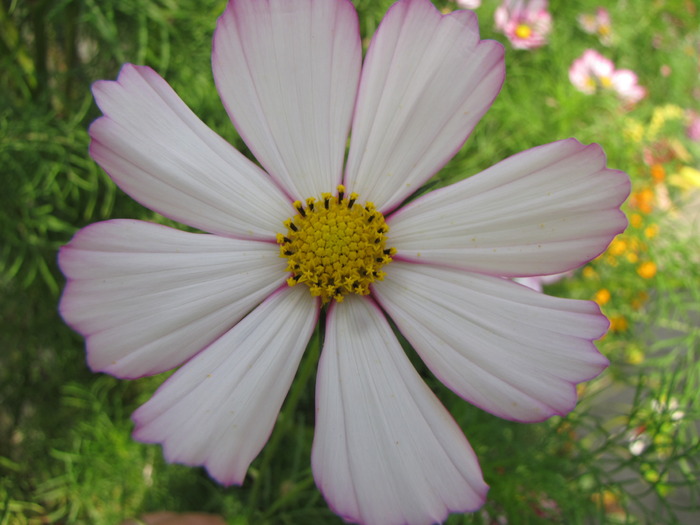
x=506, y=348
x=543, y=211
x=148, y=297
x=218, y=409
x=426, y=81
x=164, y=157
x=385, y=449
x=287, y=73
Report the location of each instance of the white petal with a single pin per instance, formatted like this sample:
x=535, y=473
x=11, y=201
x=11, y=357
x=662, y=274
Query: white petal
x=219, y=409
x=385, y=450
x=287, y=72
x=426, y=82
x=544, y=211
x=506, y=348
x=147, y=297
x=163, y=156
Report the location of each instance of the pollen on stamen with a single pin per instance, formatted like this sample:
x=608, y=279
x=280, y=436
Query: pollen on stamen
x=335, y=245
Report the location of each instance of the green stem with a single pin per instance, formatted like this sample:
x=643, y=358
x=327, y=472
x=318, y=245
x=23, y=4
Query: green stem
x=285, y=421
x=40, y=48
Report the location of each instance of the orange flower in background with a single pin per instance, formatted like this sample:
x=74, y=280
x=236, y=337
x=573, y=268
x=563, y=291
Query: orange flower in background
x=658, y=173
x=639, y=301
x=618, y=323
x=647, y=270
x=618, y=246
x=602, y=296
x=635, y=219
x=642, y=200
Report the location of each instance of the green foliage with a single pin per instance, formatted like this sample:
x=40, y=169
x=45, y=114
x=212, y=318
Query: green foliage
x=628, y=454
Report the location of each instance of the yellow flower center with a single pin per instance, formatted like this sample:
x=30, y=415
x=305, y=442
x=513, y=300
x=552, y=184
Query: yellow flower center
x=523, y=31
x=335, y=246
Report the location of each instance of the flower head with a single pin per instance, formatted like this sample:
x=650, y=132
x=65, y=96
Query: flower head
x=693, y=128
x=310, y=232
x=469, y=4
x=526, y=23
x=597, y=24
x=592, y=72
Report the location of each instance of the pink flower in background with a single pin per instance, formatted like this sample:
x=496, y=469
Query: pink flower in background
x=626, y=85
x=526, y=23
x=692, y=131
x=318, y=234
x=469, y=4
x=597, y=24
x=592, y=72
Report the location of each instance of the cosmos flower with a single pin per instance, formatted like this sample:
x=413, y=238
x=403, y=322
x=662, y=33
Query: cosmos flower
x=626, y=85
x=693, y=128
x=469, y=4
x=311, y=238
x=597, y=24
x=526, y=23
x=592, y=72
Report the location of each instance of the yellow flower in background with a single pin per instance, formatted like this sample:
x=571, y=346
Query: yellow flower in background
x=668, y=112
x=635, y=246
x=589, y=273
x=635, y=220
x=611, y=261
x=633, y=130
x=662, y=115
x=686, y=178
x=647, y=270
x=651, y=231
x=618, y=323
x=634, y=355
x=618, y=246
x=602, y=296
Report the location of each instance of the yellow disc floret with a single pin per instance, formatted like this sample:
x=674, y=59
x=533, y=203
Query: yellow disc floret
x=523, y=31
x=335, y=245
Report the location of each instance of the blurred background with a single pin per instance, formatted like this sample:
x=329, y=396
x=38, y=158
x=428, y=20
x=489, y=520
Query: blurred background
x=629, y=453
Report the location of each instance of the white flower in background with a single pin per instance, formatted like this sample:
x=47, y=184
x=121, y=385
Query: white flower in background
x=310, y=238
x=658, y=426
